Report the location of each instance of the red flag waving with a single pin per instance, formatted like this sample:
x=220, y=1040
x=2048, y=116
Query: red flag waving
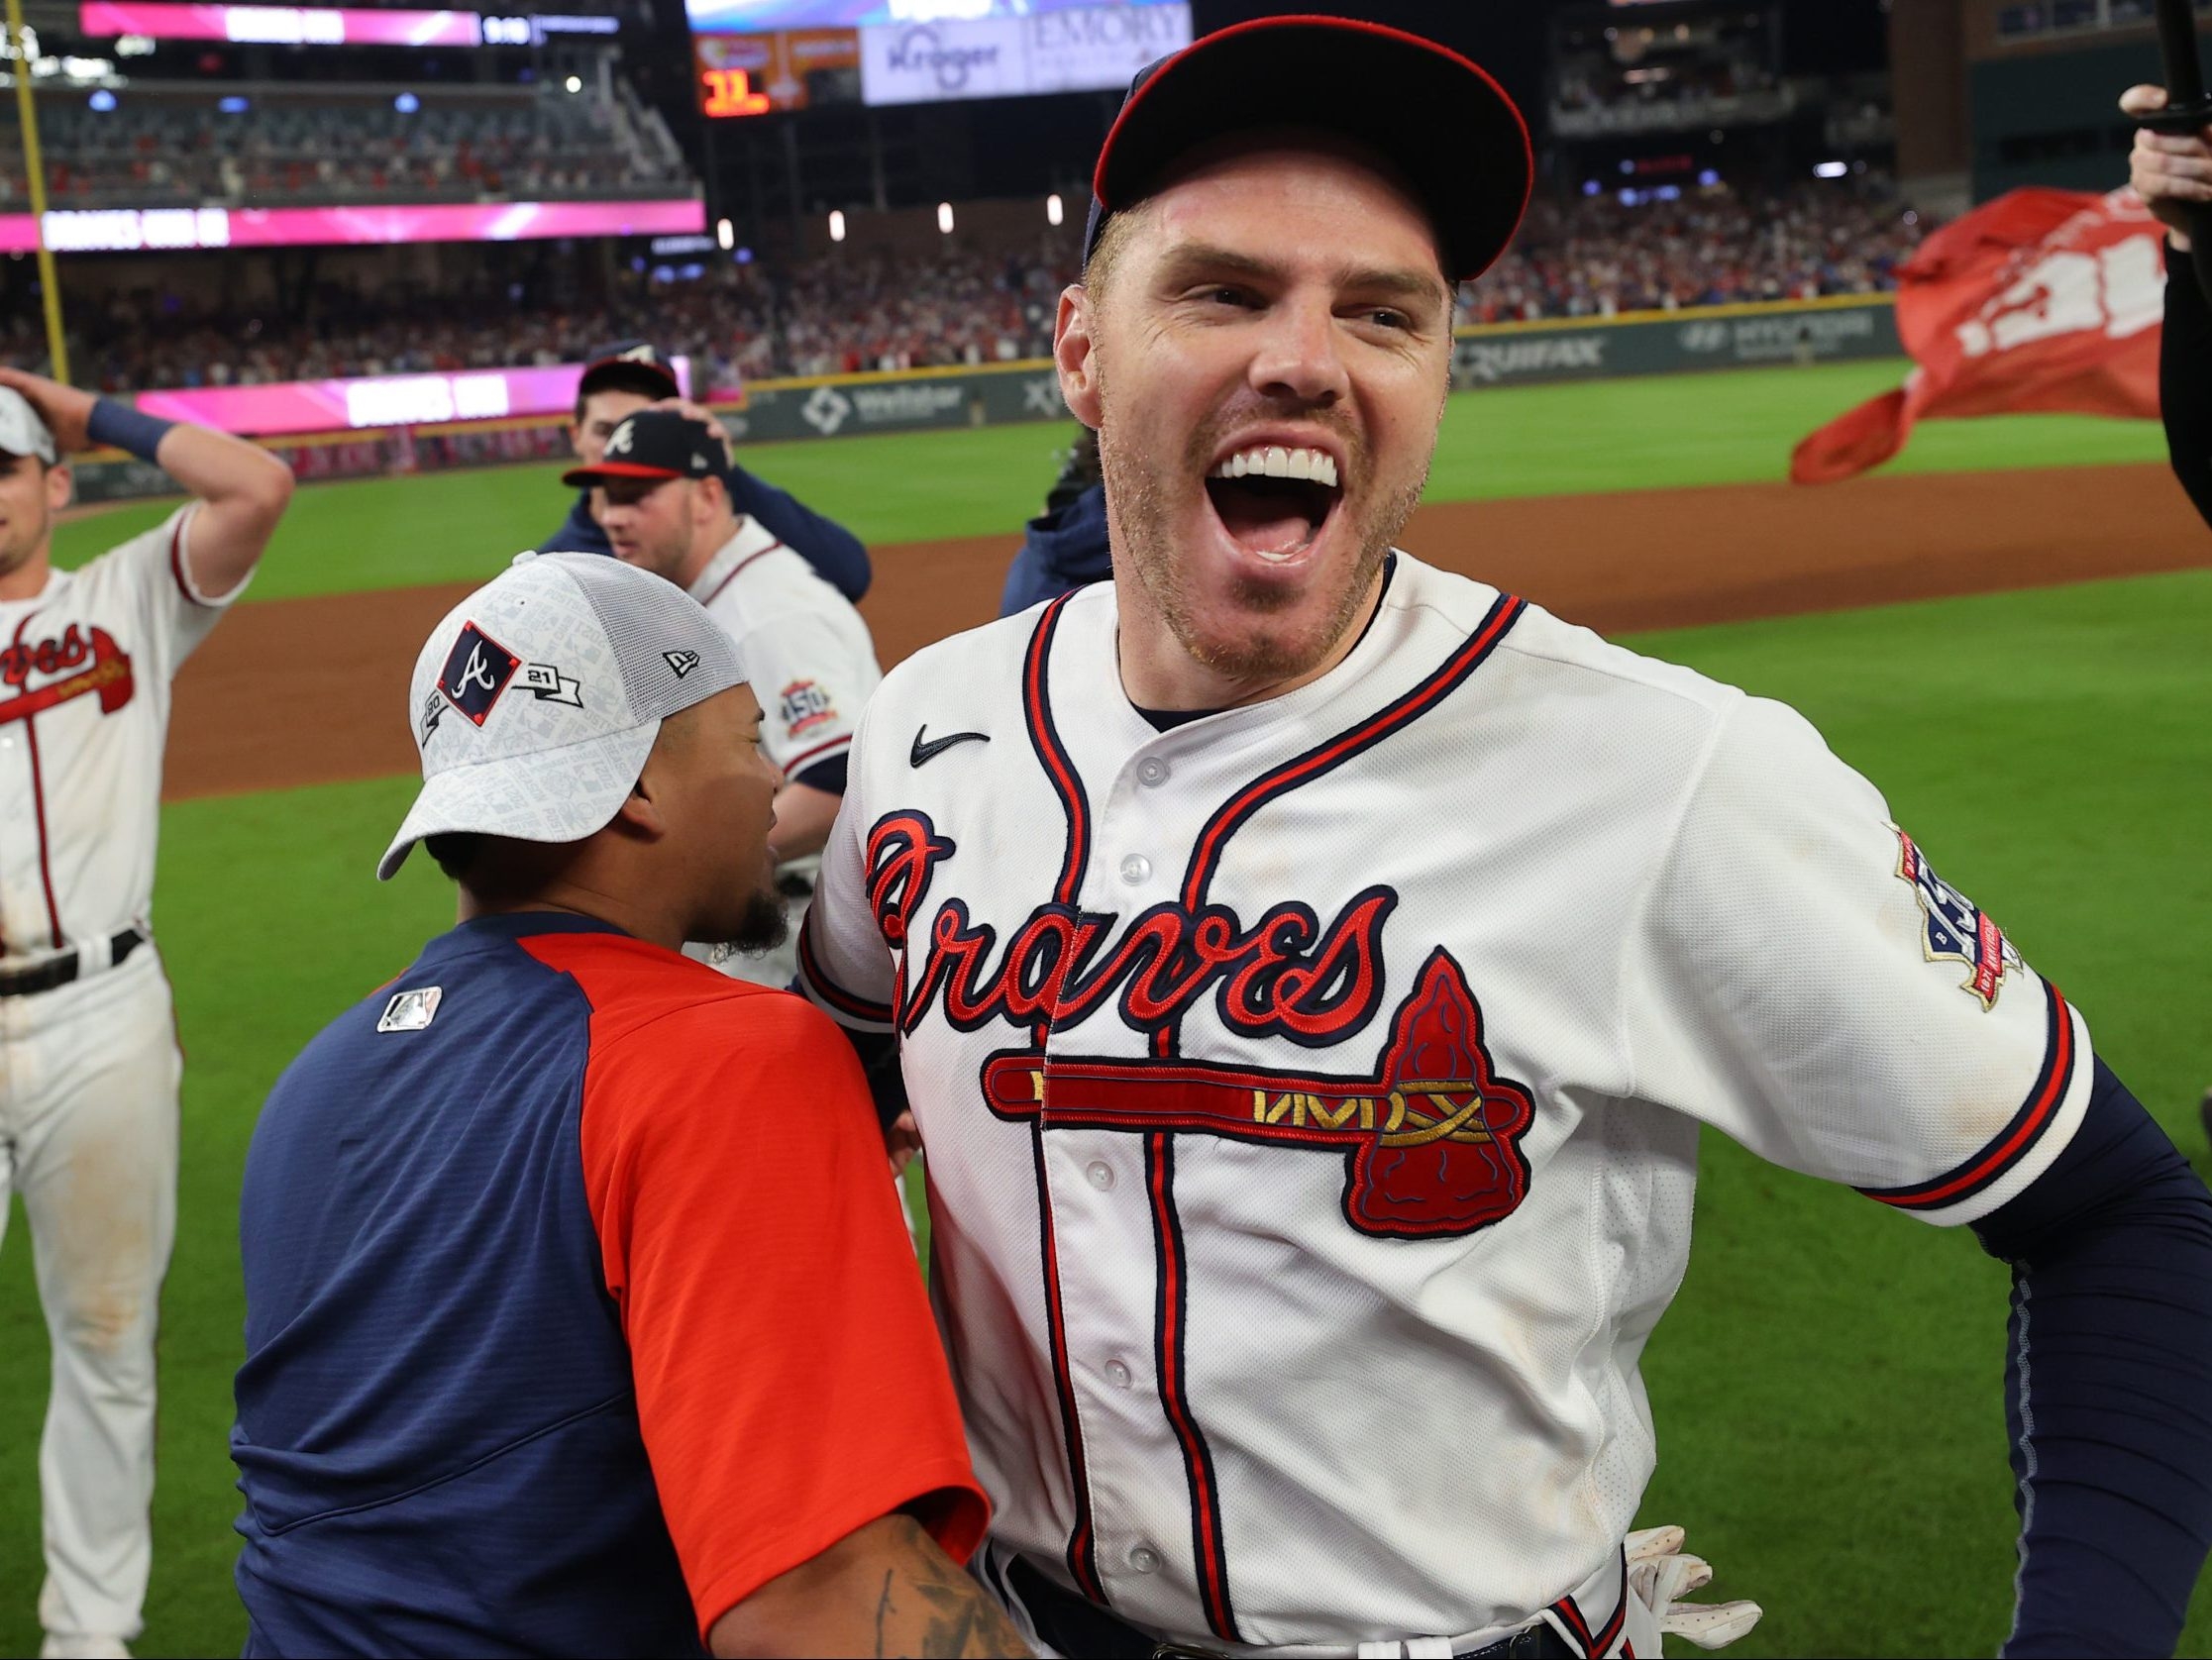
x=2041, y=300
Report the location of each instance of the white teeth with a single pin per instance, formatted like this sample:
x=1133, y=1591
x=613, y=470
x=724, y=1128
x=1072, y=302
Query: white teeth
x=1273, y=462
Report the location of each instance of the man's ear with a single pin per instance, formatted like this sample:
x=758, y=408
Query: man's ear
x=640, y=814
x=60, y=485
x=1074, y=353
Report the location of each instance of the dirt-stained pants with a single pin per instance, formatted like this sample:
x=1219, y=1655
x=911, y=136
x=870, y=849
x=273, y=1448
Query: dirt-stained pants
x=89, y=1136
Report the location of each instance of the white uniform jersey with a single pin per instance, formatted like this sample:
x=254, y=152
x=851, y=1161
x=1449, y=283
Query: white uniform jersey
x=814, y=666
x=1311, y=1091
x=84, y=710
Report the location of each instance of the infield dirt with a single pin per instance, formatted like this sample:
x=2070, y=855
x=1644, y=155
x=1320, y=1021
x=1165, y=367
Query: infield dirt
x=300, y=691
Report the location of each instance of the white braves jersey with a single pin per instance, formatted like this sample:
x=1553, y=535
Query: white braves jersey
x=1311, y=1091
x=84, y=711
x=809, y=653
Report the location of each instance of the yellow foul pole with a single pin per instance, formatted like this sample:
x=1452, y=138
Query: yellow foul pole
x=49, y=288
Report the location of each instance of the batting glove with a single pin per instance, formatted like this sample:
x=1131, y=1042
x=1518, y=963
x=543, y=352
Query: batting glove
x=1660, y=1573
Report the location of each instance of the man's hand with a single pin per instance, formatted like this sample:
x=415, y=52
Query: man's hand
x=64, y=409
x=2171, y=172
x=700, y=412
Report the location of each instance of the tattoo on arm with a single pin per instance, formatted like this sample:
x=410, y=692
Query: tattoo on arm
x=929, y=1606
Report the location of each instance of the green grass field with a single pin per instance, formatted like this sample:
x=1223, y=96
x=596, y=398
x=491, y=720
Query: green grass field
x=1827, y=1386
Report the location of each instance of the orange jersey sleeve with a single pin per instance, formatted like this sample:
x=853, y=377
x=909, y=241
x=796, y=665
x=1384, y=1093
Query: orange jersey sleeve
x=790, y=1384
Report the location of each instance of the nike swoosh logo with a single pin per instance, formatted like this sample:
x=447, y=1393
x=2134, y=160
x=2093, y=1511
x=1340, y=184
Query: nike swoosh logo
x=935, y=746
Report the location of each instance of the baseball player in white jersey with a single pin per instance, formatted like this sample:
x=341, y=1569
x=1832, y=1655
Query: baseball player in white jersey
x=1311, y=969
x=89, y=1056
x=666, y=509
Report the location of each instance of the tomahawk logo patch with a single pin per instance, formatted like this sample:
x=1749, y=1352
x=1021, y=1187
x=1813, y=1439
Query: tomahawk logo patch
x=477, y=672
x=1956, y=928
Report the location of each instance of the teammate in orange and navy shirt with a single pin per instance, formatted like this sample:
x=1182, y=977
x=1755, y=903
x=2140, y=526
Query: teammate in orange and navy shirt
x=579, y=1317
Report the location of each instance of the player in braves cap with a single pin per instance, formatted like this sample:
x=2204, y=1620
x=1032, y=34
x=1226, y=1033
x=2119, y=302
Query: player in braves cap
x=578, y=1317
x=666, y=509
x=1311, y=970
x=89, y=1063
x=625, y=378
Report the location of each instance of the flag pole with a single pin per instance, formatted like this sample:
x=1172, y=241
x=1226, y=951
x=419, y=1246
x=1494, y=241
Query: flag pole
x=49, y=287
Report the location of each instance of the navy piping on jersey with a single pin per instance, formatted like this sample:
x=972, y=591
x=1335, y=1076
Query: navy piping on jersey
x=832, y=994
x=1206, y=1502
x=1595, y=1643
x=2016, y=1140
x=39, y=810
x=1052, y=754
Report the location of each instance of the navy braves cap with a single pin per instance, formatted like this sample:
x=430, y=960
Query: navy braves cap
x=656, y=444
x=1448, y=127
x=631, y=366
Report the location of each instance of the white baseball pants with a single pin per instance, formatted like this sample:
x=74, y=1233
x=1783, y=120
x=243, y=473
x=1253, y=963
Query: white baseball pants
x=89, y=1136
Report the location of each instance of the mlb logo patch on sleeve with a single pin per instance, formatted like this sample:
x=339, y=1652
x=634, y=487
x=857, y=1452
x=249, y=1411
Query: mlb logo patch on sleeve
x=412, y=1010
x=1957, y=930
x=477, y=672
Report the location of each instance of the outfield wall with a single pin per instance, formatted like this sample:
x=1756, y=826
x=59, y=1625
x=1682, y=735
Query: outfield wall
x=843, y=405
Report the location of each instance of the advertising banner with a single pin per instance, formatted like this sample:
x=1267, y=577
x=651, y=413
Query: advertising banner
x=325, y=25
x=1090, y=49
x=752, y=75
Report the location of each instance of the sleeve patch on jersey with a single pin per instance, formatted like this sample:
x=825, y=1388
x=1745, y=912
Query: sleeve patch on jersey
x=803, y=705
x=1956, y=929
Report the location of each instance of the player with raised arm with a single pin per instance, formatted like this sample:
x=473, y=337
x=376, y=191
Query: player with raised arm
x=89, y=1064
x=1312, y=971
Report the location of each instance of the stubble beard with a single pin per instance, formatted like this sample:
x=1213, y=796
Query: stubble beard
x=1138, y=495
x=763, y=925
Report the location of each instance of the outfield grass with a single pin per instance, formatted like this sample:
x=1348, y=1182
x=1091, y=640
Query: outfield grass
x=1828, y=1385
x=1731, y=427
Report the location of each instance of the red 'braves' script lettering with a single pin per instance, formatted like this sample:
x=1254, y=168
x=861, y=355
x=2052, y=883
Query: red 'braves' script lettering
x=1287, y=974
x=109, y=675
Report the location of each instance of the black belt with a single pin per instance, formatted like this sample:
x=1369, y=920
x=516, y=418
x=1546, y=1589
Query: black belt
x=1074, y=1625
x=60, y=970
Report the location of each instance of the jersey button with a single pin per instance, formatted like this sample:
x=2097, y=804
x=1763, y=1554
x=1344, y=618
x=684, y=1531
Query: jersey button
x=1137, y=869
x=1117, y=1374
x=1152, y=772
x=1100, y=1174
x=1145, y=1560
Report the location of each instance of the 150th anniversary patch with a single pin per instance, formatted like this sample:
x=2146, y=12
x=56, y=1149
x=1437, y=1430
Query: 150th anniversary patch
x=1956, y=928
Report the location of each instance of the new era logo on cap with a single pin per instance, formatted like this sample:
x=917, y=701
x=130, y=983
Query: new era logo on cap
x=477, y=672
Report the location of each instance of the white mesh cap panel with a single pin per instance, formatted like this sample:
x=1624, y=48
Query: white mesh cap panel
x=646, y=620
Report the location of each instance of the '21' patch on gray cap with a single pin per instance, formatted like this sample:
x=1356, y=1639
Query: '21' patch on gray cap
x=537, y=699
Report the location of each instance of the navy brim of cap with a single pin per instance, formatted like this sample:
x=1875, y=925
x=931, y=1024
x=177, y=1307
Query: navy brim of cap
x=578, y=477
x=627, y=369
x=1439, y=118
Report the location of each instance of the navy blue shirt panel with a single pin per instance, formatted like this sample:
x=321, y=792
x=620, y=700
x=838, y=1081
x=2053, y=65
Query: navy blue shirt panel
x=1062, y=550
x=436, y=1434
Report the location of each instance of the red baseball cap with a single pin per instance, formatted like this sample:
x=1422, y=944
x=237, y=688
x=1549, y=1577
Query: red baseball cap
x=1439, y=118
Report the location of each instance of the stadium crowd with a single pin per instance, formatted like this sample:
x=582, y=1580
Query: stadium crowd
x=851, y=309
x=264, y=151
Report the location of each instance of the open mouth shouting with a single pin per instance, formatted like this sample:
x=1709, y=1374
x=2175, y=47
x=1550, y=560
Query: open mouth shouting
x=1274, y=500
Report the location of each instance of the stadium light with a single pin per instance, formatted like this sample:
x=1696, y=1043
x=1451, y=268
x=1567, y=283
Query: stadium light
x=406, y=103
x=725, y=234
x=1830, y=170
x=574, y=83
x=103, y=100
x=232, y=106
x=1054, y=209
x=944, y=217
x=836, y=224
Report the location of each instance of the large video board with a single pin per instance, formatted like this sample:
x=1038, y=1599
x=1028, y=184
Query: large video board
x=1073, y=51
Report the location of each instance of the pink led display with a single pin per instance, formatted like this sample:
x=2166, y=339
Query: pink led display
x=128, y=229
x=313, y=26
x=372, y=401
